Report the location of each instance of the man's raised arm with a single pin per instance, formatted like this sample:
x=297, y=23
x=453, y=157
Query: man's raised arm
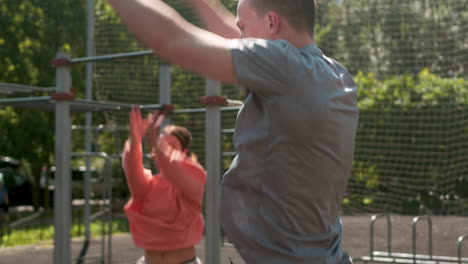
x=161, y=28
x=215, y=17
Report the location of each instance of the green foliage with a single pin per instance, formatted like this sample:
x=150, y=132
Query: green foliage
x=35, y=31
x=366, y=174
x=44, y=234
x=28, y=125
x=394, y=37
x=426, y=90
x=231, y=5
x=31, y=34
x=411, y=145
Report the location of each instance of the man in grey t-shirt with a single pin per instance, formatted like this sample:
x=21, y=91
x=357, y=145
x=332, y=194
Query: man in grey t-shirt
x=295, y=133
x=295, y=140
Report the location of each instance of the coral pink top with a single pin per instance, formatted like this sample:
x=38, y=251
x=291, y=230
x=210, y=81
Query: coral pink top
x=161, y=216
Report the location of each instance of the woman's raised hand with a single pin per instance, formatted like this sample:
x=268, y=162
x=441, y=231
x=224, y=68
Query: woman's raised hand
x=153, y=131
x=139, y=127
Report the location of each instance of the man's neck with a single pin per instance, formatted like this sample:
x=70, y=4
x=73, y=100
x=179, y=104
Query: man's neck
x=302, y=43
x=297, y=39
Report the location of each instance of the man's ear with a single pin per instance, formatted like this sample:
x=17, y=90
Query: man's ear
x=273, y=22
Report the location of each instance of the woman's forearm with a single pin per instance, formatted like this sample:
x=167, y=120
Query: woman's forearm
x=132, y=163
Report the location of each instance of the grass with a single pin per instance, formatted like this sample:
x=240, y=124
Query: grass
x=44, y=234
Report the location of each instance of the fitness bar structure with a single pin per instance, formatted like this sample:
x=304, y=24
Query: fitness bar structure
x=63, y=102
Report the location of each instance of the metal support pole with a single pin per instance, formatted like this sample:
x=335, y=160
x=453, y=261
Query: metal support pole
x=165, y=88
x=88, y=121
x=88, y=134
x=459, y=247
x=213, y=169
x=107, y=204
x=62, y=197
x=429, y=223
x=108, y=175
x=389, y=234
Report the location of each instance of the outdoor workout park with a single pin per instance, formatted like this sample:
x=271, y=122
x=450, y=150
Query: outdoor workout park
x=74, y=76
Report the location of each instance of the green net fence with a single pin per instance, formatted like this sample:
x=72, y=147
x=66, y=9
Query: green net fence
x=409, y=59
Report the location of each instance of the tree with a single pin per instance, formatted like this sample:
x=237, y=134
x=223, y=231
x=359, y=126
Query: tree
x=31, y=33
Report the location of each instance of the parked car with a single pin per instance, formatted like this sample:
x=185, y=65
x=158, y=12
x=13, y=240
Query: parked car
x=16, y=181
x=77, y=182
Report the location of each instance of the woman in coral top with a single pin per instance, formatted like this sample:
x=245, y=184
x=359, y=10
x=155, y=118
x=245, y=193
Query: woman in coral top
x=164, y=211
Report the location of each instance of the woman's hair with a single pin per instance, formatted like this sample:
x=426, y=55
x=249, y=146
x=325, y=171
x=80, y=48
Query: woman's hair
x=183, y=135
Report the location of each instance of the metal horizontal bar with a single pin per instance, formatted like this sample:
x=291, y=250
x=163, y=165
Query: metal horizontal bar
x=401, y=260
x=189, y=111
x=26, y=219
x=90, y=106
x=151, y=106
x=77, y=105
x=99, y=214
x=111, y=56
x=80, y=105
x=119, y=156
x=418, y=256
x=202, y=110
x=385, y=260
x=101, y=128
x=40, y=102
x=229, y=153
x=25, y=99
x=90, y=154
x=12, y=88
x=228, y=131
x=231, y=108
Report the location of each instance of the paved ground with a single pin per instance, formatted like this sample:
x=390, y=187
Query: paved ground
x=446, y=231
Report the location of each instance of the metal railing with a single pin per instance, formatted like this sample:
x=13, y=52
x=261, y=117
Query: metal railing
x=409, y=258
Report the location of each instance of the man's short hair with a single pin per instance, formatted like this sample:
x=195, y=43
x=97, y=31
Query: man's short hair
x=299, y=13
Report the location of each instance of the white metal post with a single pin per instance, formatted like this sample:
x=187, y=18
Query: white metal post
x=165, y=88
x=88, y=120
x=213, y=169
x=108, y=172
x=62, y=197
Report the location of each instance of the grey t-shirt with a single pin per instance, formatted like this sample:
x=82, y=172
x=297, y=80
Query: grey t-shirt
x=294, y=137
